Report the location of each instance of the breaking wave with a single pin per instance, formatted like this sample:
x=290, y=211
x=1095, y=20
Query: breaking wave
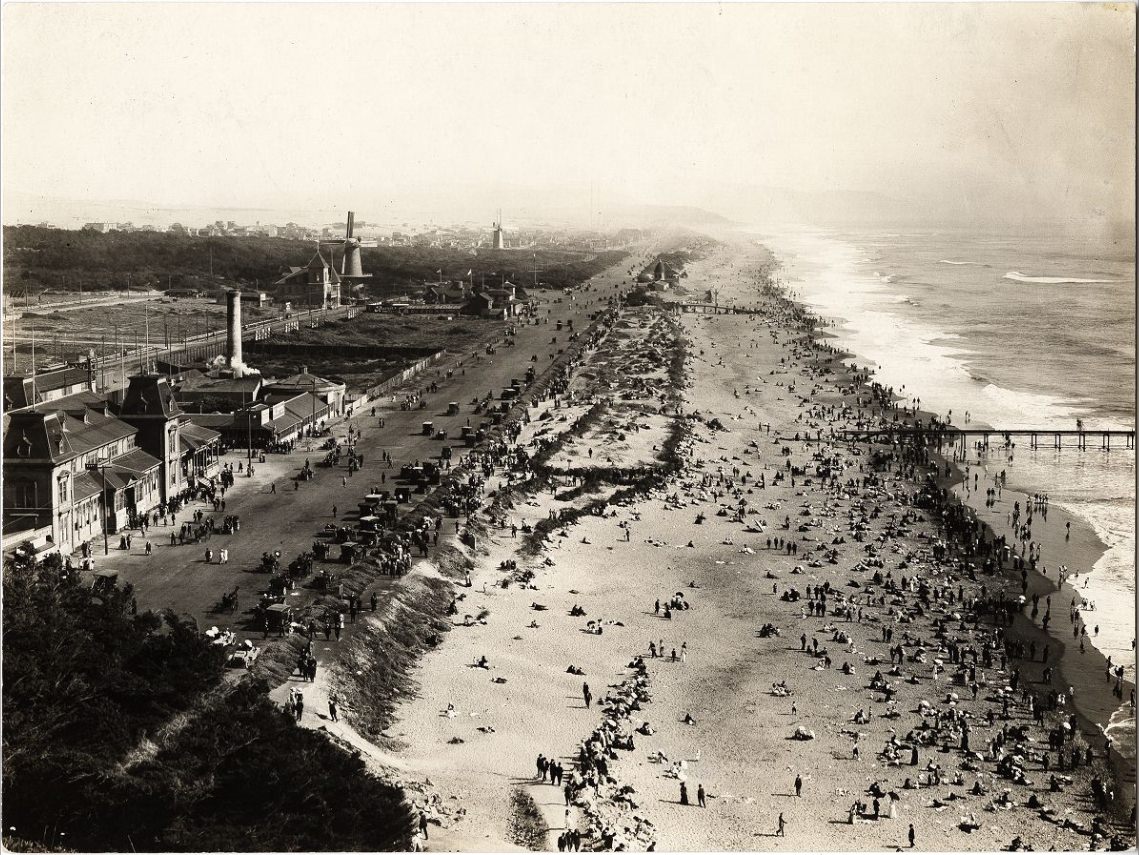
x=1017, y=276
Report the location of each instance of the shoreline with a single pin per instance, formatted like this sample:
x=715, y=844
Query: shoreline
x=576, y=565
x=1097, y=713
x=1079, y=669
x=849, y=245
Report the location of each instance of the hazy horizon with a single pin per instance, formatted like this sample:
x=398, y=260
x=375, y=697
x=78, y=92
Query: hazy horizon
x=967, y=114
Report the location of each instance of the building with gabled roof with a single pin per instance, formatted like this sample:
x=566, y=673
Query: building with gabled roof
x=150, y=407
x=316, y=285
x=330, y=393
x=47, y=483
x=70, y=464
x=25, y=390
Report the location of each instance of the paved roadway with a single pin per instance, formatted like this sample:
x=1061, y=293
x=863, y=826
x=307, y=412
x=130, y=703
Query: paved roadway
x=177, y=576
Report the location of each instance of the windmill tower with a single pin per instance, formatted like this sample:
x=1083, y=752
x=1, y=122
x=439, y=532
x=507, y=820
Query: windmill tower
x=351, y=266
x=498, y=241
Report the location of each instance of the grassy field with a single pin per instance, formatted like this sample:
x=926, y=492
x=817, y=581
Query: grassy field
x=353, y=363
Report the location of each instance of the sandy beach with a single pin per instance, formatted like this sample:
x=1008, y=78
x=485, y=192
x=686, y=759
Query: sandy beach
x=774, y=607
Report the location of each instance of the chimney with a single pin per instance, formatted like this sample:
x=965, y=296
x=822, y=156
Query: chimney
x=233, y=333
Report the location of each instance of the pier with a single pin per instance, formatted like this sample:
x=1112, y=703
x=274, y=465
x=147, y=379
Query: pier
x=1036, y=437
x=713, y=309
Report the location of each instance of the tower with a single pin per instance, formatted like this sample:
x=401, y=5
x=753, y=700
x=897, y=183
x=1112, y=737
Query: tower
x=149, y=405
x=233, y=333
x=351, y=263
x=497, y=241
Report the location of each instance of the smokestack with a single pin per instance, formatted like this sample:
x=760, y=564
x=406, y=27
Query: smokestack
x=233, y=333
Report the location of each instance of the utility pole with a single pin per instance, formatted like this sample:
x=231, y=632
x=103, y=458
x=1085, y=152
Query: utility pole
x=101, y=465
x=122, y=357
x=248, y=435
x=33, y=367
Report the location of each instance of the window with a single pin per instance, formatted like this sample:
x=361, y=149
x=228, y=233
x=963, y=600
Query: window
x=64, y=481
x=26, y=494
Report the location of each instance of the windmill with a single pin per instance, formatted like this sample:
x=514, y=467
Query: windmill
x=498, y=239
x=351, y=268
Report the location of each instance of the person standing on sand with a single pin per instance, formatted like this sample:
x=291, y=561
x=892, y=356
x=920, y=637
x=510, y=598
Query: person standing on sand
x=586, y=695
x=700, y=796
x=910, y=835
x=683, y=793
x=798, y=786
x=779, y=831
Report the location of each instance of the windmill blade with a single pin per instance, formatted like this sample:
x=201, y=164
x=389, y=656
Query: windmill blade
x=333, y=242
x=368, y=243
x=351, y=222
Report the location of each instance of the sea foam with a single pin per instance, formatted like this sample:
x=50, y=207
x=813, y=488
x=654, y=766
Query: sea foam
x=1017, y=276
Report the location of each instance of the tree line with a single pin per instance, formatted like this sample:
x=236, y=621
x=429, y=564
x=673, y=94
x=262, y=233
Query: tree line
x=121, y=733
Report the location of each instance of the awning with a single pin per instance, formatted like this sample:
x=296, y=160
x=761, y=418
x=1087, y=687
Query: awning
x=192, y=437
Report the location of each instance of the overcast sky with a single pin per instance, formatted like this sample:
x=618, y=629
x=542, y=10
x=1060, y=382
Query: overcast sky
x=1024, y=108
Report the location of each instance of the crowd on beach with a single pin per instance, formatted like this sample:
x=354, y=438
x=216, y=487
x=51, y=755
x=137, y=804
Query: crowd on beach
x=974, y=711
x=883, y=583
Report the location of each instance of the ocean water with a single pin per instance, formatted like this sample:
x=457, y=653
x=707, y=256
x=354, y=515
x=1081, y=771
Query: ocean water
x=1016, y=331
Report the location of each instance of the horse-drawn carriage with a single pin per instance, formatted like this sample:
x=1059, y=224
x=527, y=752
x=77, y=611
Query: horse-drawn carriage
x=229, y=601
x=301, y=565
x=324, y=581
x=279, y=616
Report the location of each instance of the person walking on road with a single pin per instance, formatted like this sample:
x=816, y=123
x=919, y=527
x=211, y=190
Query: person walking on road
x=798, y=786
